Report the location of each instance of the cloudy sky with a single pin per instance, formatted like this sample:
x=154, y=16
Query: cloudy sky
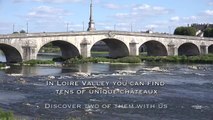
x=55, y=15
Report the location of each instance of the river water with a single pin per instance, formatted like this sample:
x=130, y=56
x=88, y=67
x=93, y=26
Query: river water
x=184, y=92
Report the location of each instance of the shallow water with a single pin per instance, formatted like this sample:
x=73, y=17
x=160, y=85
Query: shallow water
x=186, y=95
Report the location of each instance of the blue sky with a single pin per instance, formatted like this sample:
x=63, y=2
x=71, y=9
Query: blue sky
x=53, y=15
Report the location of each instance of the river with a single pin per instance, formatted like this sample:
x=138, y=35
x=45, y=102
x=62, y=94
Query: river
x=184, y=92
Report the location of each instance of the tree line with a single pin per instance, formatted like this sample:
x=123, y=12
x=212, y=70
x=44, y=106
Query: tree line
x=191, y=31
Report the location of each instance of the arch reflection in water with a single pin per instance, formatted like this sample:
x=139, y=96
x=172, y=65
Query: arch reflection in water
x=85, y=68
x=32, y=71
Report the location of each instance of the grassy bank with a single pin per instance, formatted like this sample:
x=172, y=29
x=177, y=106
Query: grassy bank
x=36, y=62
x=99, y=52
x=50, y=50
x=77, y=60
x=208, y=59
x=6, y=115
x=2, y=65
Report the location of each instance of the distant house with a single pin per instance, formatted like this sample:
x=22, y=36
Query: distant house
x=201, y=28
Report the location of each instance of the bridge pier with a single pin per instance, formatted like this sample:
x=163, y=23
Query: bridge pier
x=28, y=53
x=172, y=49
x=133, y=51
x=85, y=49
x=203, y=49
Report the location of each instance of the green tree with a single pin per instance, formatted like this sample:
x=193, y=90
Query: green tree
x=15, y=32
x=49, y=45
x=189, y=31
x=208, y=32
x=22, y=31
x=6, y=115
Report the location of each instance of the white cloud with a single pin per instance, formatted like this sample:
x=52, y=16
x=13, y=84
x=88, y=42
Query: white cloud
x=142, y=7
x=141, y=12
x=137, y=13
x=47, y=1
x=151, y=26
x=211, y=3
x=112, y=6
x=190, y=18
x=47, y=12
x=57, y=1
x=19, y=1
x=105, y=23
x=208, y=12
x=142, y=16
x=116, y=6
x=122, y=15
x=182, y=21
x=176, y=18
x=146, y=9
x=122, y=24
x=46, y=18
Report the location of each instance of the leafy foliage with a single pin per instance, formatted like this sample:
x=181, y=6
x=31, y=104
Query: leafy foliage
x=2, y=65
x=50, y=48
x=78, y=60
x=129, y=59
x=189, y=31
x=35, y=62
x=6, y=115
x=15, y=32
x=22, y=31
x=180, y=59
x=208, y=32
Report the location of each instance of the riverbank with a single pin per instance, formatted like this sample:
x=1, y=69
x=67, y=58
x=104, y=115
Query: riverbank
x=206, y=59
x=203, y=59
x=77, y=60
x=6, y=115
x=36, y=62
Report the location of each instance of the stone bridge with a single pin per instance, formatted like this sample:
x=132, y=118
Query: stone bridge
x=22, y=47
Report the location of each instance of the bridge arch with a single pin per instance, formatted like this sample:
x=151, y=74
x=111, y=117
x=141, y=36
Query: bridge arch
x=12, y=54
x=68, y=50
x=153, y=48
x=116, y=47
x=210, y=49
x=188, y=49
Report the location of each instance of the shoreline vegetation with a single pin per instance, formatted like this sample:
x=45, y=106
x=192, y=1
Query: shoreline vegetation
x=6, y=115
x=202, y=59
